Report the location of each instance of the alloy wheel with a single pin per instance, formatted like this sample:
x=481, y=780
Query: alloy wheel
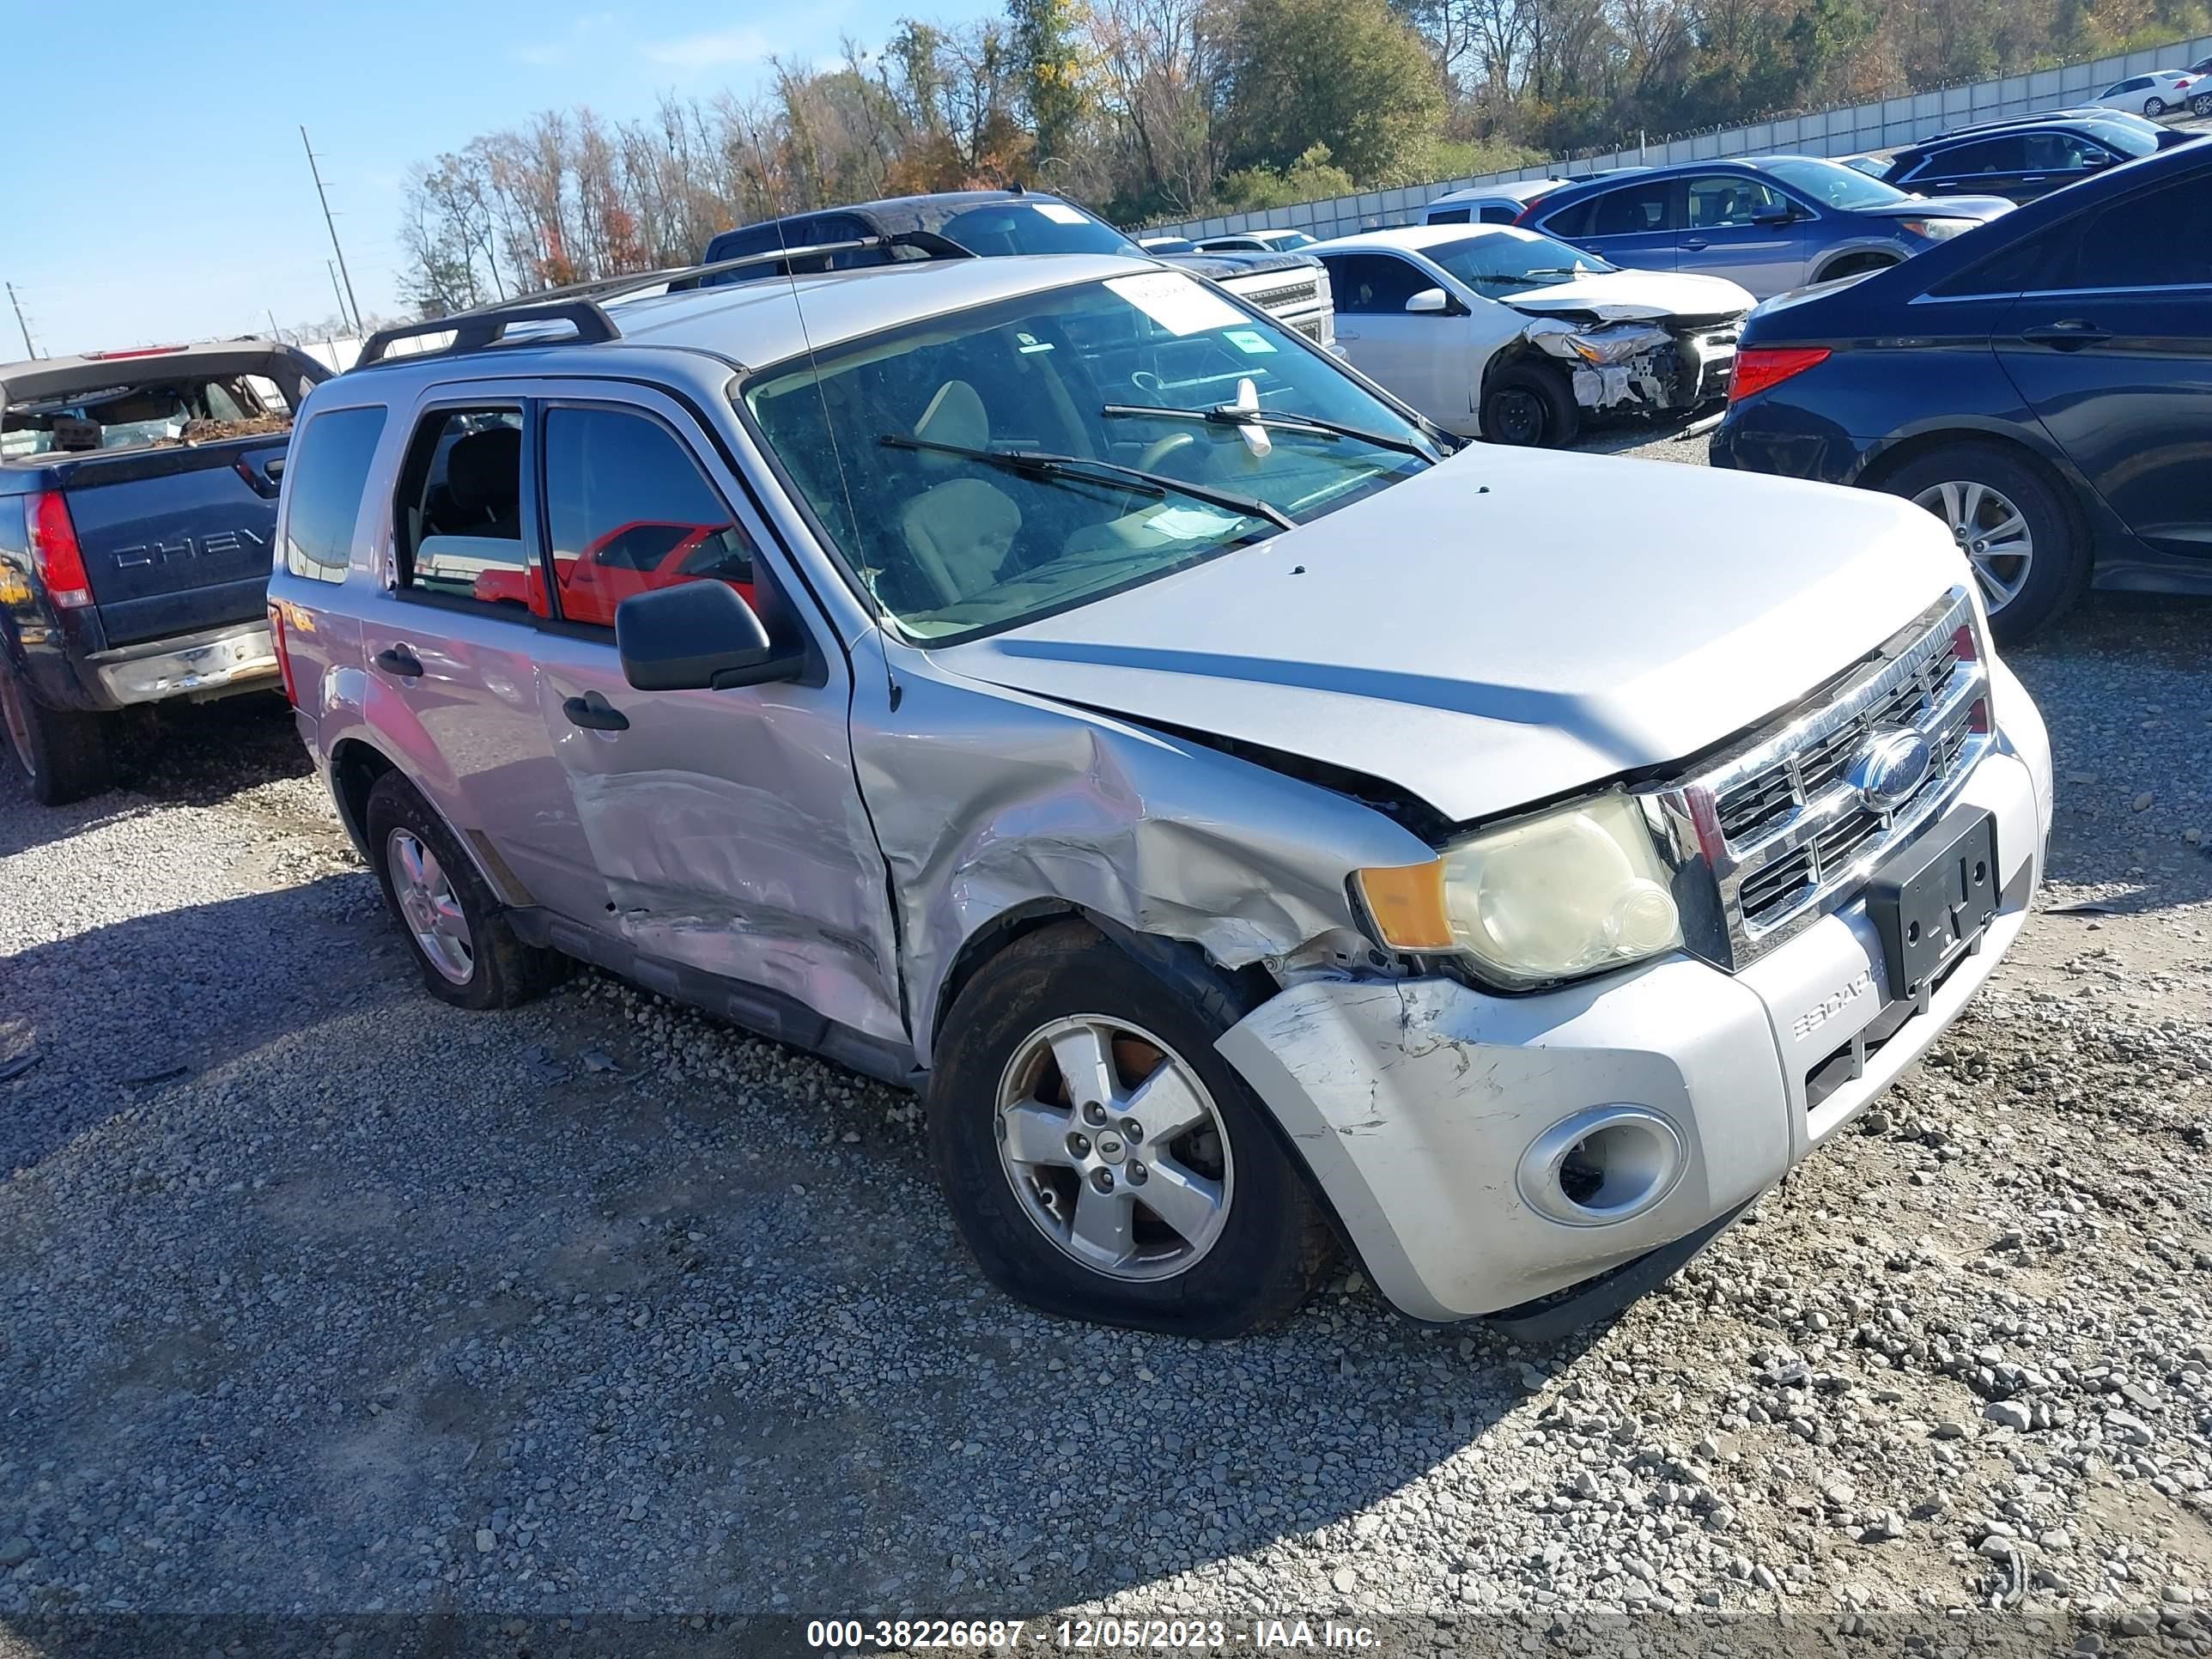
x=1990, y=530
x=432, y=909
x=1115, y=1147
x=2154, y=106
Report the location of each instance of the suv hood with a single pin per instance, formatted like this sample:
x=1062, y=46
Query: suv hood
x=1506, y=628
x=1984, y=208
x=1636, y=296
x=1236, y=263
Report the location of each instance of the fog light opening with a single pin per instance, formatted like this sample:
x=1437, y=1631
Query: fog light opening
x=1602, y=1166
x=1615, y=1169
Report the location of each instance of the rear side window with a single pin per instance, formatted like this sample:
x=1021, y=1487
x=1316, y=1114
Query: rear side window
x=2141, y=241
x=459, y=512
x=329, y=471
x=628, y=510
x=1634, y=210
x=1499, y=215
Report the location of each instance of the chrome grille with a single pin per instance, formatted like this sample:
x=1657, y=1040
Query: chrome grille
x=1785, y=837
x=1275, y=298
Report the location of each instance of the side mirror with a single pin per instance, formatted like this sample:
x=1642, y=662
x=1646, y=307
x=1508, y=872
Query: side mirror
x=697, y=636
x=1430, y=301
x=1781, y=215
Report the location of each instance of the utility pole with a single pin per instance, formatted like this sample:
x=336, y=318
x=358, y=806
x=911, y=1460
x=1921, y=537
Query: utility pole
x=333, y=270
x=323, y=195
x=275, y=333
x=29, y=350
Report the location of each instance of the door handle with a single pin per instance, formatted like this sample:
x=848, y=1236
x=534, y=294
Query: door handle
x=2070, y=334
x=1695, y=243
x=1342, y=334
x=595, y=713
x=399, y=661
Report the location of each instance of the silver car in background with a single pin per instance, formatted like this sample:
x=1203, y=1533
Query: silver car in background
x=1056, y=686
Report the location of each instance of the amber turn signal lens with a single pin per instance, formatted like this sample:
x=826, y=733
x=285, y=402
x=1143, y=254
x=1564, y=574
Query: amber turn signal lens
x=1406, y=901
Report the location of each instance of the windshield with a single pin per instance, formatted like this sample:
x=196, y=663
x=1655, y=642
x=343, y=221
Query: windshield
x=1037, y=225
x=1507, y=260
x=956, y=545
x=2126, y=139
x=1833, y=185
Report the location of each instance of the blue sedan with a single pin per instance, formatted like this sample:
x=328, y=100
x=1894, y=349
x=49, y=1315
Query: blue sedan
x=2043, y=386
x=1772, y=223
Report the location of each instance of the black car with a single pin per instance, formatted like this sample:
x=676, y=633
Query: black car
x=2018, y=161
x=2043, y=384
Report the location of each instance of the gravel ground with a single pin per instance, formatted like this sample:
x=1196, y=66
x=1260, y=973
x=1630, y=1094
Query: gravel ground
x=317, y=1297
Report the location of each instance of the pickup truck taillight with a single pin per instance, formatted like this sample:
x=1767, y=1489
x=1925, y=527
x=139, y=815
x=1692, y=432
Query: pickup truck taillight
x=55, y=553
x=283, y=651
x=1758, y=367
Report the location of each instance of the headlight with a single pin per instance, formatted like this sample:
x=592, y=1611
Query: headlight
x=1938, y=230
x=1567, y=892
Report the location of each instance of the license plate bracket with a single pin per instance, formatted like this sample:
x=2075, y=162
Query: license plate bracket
x=1933, y=896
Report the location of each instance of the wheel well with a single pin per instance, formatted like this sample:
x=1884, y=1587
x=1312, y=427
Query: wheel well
x=1001, y=931
x=1895, y=459
x=354, y=768
x=1851, y=264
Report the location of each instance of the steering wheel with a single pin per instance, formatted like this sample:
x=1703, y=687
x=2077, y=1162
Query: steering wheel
x=1160, y=448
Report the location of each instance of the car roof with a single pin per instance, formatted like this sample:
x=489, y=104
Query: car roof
x=1417, y=237
x=752, y=324
x=2079, y=124
x=1511, y=190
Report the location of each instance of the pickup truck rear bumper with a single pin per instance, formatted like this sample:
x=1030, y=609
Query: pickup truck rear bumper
x=216, y=663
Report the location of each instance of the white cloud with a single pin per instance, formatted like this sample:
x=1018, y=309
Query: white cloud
x=718, y=49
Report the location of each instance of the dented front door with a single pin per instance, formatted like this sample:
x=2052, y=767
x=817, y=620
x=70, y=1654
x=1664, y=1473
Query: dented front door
x=728, y=823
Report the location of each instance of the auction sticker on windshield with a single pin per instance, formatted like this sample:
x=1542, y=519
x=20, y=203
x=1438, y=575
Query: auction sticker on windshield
x=1176, y=302
x=1060, y=213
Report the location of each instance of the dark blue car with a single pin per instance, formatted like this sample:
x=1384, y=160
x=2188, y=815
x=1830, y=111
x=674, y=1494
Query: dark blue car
x=2043, y=384
x=1770, y=223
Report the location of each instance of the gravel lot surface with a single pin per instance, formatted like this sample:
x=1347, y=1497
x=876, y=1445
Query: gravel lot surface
x=317, y=1295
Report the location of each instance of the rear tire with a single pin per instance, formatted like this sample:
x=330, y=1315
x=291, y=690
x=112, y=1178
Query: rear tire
x=467, y=952
x=2056, y=566
x=1007, y=1117
x=2201, y=104
x=62, y=752
x=1530, y=406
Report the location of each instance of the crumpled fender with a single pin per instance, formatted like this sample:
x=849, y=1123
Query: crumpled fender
x=986, y=801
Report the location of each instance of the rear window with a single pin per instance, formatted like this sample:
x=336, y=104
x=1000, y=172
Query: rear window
x=323, y=487
x=134, y=414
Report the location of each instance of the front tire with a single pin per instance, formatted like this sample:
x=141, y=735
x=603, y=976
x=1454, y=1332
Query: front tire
x=2011, y=526
x=1530, y=407
x=464, y=946
x=61, y=752
x=2201, y=104
x=2153, y=108
x=1102, y=1161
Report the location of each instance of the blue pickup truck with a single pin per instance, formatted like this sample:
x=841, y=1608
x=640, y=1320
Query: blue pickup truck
x=137, y=503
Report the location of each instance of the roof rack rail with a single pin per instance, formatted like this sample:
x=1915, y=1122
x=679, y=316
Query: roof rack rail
x=578, y=303
x=476, y=331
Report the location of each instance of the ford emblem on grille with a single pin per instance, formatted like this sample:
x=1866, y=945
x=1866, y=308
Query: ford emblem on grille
x=1890, y=769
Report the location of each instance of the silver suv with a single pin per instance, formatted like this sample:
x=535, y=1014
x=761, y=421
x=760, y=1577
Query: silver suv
x=1052, y=684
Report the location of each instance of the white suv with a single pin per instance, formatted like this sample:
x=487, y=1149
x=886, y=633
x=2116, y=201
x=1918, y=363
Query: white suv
x=1051, y=685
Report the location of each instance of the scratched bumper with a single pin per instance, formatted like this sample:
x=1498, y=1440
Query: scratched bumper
x=213, y=663
x=1415, y=1101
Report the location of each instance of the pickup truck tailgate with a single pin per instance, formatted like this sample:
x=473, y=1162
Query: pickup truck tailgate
x=176, y=539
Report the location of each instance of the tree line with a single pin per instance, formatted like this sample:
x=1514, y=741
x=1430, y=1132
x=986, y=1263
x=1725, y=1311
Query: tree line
x=1147, y=109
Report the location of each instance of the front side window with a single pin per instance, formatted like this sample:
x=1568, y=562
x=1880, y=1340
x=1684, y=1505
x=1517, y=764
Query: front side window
x=1498, y=264
x=627, y=510
x=1727, y=201
x=1369, y=283
x=1450, y=216
x=2062, y=152
x=458, y=517
x=1016, y=458
x=1985, y=155
x=1496, y=215
x=329, y=471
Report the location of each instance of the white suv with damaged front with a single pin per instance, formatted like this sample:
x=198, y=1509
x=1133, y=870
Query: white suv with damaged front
x=1260, y=826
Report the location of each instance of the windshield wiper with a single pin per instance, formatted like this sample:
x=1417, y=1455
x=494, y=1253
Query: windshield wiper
x=1233, y=415
x=1043, y=463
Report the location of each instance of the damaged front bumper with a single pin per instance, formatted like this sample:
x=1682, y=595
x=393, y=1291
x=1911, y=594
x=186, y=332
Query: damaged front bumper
x=1634, y=365
x=1436, y=1117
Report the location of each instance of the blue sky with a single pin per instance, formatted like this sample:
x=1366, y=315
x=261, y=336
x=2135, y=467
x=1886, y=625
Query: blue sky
x=156, y=190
